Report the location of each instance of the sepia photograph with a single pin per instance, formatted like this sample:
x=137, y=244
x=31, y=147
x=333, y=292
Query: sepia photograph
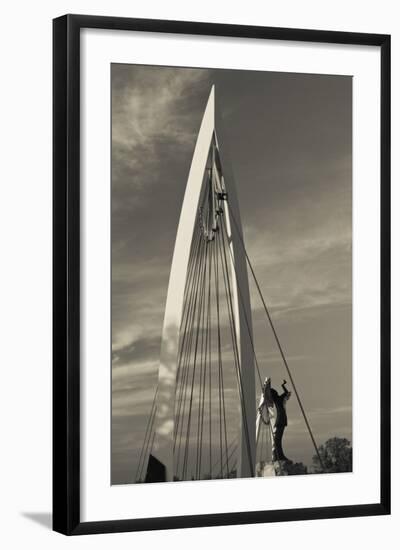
x=231, y=274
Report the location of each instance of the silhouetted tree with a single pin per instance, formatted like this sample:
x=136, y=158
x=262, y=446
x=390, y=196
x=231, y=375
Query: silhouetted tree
x=336, y=455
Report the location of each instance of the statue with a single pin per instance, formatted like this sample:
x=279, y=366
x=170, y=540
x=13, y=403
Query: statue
x=275, y=405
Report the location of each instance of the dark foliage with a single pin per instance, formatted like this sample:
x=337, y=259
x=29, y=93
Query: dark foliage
x=336, y=455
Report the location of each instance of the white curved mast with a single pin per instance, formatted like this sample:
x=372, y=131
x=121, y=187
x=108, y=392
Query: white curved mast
x=211, y=128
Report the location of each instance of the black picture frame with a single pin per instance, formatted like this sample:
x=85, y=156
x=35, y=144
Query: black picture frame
x=66, y=273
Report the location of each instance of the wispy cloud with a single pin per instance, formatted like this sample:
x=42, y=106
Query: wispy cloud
x=143, y=119
x=149, y=115
x=301, y=270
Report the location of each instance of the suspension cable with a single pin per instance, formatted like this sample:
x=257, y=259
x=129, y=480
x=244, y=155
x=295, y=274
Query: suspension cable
x=185, y=384
x=187, y=345
x=225, y=230
x=186, y=455
x=277, y=341
x=146, y=435
x=220, y=372
x=236, y=355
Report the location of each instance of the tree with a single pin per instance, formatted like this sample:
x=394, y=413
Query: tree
x=336, y=455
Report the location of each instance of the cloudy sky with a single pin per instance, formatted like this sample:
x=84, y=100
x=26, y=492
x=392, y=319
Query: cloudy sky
x=290, y=145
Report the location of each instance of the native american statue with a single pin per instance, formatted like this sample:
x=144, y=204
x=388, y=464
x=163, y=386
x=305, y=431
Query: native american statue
x=272, y=412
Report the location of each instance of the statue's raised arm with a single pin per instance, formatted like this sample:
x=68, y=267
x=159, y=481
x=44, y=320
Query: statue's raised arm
x=286, y=392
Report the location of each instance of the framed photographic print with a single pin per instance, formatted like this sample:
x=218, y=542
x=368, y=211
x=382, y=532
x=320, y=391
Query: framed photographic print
x=221, y=274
